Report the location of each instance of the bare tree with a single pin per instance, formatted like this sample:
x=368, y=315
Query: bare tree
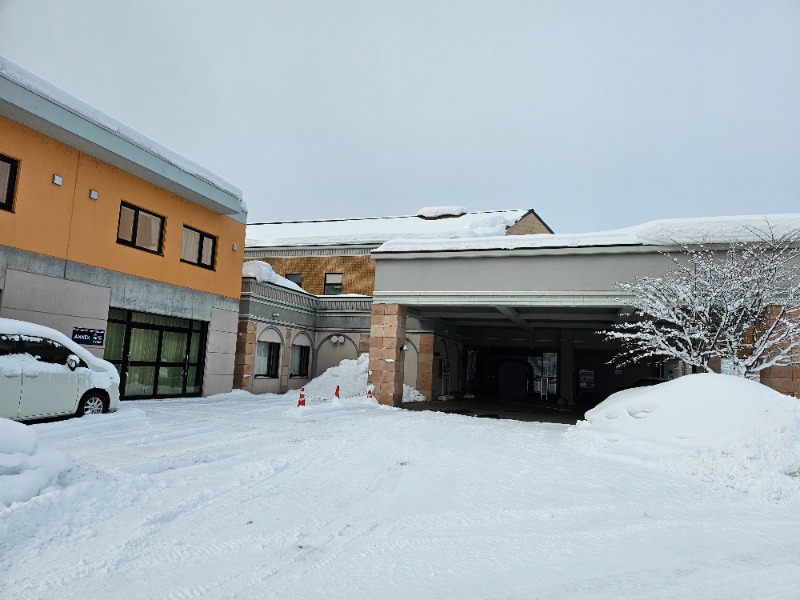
x=740, y=304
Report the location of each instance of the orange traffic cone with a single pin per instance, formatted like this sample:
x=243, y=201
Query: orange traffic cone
x=302, y=400
x=337, y=391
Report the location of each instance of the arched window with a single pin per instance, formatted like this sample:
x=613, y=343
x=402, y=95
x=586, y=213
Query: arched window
x=268, y=354
x=301, y=353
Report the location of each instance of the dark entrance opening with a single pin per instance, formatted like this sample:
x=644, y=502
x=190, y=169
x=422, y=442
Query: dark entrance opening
x=527, y=375
x=596, y=376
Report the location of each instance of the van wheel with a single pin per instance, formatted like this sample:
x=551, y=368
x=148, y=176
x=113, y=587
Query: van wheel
x=92, y=403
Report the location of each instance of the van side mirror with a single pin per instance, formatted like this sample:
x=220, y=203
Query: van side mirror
x=73, y=362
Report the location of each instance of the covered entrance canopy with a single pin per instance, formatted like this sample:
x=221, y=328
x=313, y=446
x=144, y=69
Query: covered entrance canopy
x=524, y=321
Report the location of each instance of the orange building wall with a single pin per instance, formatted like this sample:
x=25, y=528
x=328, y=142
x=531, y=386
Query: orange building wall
x=64, y=222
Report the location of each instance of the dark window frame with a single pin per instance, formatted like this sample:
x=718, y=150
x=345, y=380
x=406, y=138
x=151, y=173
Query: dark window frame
x=339, y=286
x=273, y=365
x=7, y=195
x=296, y=276
x=135, y=228
x=203, y=236
x=305, y=362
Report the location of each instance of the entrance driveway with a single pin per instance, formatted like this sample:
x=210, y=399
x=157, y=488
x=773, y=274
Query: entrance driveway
x=495, y=408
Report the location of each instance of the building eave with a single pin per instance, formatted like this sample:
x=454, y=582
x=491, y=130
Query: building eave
x=45, y=116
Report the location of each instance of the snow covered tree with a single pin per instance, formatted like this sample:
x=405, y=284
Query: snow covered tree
x=739, y=304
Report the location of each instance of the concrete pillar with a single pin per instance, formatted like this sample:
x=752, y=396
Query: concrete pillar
x=387, y=336
x=567, y=369
x=244, y=365
x=426, y=365
x=287, y=358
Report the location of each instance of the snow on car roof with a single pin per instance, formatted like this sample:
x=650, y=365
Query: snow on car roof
x=662, y=232
x=430, y=222
x=15, y=327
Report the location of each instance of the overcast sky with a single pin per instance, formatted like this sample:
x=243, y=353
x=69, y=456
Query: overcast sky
x=597, y=114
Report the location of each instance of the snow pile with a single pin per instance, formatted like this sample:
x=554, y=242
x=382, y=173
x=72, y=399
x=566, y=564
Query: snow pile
x=351, y=376
x=437, y=212
x=263, y=273
x=26, y=467
x=727, y=431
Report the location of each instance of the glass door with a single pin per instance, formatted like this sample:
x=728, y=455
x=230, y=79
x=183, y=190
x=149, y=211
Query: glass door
x=544, y=367
x=156, y=356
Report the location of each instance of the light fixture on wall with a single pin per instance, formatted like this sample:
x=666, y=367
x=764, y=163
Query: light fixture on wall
x=275, y=315
x=235, y=247
x=337, y=339
x=93, y=194
x=57, y=179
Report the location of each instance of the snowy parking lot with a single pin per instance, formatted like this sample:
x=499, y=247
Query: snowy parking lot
x=241, y=496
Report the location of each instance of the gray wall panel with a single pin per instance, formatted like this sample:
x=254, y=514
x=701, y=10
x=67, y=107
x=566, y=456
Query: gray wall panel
x=573, y=272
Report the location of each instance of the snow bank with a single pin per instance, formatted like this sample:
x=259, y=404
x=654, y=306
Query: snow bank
x=351, y=376
x=727, y=431
x=264, y=273
x=26, y=467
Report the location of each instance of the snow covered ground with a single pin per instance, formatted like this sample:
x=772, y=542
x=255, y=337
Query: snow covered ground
x=242, y=496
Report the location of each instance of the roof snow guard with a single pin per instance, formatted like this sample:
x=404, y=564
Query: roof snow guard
x=35, y=103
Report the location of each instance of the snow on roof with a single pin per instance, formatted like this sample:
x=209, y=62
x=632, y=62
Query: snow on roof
x=438, y=212
x=16, y=74
x=264, y=273
x=376, y=230
x=653, y=233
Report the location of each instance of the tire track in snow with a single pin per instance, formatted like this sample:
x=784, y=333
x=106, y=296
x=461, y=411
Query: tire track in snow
x=313, y=559
x=142, y=545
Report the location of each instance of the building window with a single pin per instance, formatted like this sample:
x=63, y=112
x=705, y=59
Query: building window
x=268, y=359
x=198, y=248
x=8, y=181
x=298, y=366
x=139, y=228
x=296, y=278
x=333, y=284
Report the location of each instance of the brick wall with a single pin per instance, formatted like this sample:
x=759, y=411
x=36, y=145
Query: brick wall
x=387, y=335
x=358, y=272
x=244, y=362
x=530, y=223
x=785, y=380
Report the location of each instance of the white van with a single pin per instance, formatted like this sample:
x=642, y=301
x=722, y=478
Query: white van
x=45, y=374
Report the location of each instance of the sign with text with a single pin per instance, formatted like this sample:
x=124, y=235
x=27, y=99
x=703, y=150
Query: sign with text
x=88, y=337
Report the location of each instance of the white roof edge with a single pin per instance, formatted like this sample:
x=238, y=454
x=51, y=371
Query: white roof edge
x=18, y=76
x=387, y=217
x=374, y=231
x=659, y=233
